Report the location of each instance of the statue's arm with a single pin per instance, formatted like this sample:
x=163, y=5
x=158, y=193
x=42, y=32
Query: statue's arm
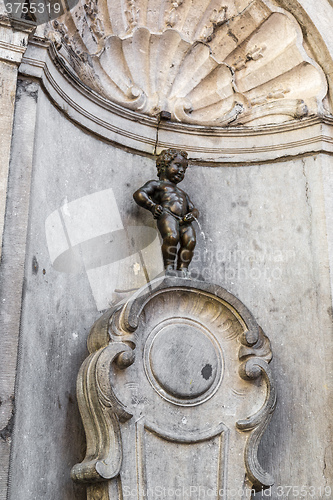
x=144, y=195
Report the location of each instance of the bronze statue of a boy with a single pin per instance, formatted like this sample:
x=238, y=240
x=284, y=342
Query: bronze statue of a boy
x=172, y=208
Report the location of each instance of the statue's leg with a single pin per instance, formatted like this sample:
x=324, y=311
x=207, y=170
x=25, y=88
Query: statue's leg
x=187, y=245
x=168, y=226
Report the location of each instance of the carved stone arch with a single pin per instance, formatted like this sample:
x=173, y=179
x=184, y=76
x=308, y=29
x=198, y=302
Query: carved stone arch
x=210, y=65
x=176, y=373
x=313, y=36
x=220, y=114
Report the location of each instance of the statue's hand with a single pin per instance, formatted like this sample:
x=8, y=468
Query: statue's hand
x=188, y=218
x=157, y=211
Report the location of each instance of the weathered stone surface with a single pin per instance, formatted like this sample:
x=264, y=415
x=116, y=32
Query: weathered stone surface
x=319, y=37
x=58, y=308
x=8, y=88
x=14, y=40
x=207, y=65
x=266, y=218
x=13, y=259
x=146, y=135
x=265, y=234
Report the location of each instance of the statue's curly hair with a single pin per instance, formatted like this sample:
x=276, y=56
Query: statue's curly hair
x=166, y=157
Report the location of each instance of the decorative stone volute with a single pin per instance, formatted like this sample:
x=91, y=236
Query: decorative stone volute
x=211, y=63
x=176, y=393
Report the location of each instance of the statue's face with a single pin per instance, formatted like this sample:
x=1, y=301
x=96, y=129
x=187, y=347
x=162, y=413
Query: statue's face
x=175, y=171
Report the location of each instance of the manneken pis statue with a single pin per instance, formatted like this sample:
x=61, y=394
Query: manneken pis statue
x=172, y=208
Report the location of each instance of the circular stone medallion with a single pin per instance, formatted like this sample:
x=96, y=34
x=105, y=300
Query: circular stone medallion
x=183, y=361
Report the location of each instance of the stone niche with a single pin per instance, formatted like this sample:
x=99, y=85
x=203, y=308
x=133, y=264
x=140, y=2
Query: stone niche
x=175, y=396
x=90, y=129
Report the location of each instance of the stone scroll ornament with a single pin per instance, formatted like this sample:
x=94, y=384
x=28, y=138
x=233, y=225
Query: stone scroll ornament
x=175, y=396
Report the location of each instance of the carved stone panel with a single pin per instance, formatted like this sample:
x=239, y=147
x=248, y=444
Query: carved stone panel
x=212, y=63
x=175, y=396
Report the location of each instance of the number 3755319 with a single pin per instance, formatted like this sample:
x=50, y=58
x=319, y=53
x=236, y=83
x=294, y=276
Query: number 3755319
x=303, y=492
x=33, y=8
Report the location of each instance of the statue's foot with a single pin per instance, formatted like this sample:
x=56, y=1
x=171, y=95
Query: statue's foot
x=170, y=271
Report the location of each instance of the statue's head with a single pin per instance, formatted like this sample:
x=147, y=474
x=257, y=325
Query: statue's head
x=166, y=157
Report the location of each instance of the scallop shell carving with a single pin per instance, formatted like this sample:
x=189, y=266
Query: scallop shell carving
x=208, y=62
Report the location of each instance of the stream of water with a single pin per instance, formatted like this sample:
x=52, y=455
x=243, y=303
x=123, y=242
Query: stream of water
x=202, y=235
